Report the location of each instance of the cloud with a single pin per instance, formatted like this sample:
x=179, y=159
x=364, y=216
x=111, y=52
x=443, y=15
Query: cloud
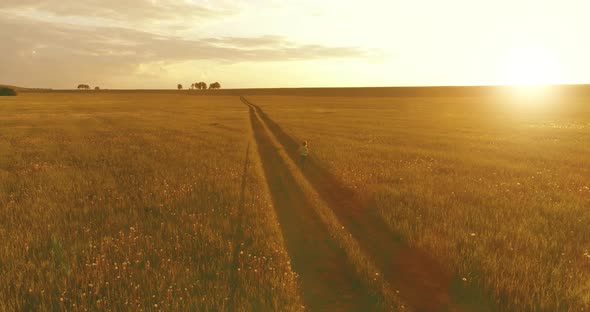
x=40, y=52
x=128, y=10
x=248, y=42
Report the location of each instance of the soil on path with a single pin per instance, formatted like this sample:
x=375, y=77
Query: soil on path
x=421, y=280
x=328, y=279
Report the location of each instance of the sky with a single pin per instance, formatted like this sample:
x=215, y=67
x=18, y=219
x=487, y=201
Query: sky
x=270, y=43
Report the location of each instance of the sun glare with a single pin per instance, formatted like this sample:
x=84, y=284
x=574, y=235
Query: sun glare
x=531, y=67
x=529, y=72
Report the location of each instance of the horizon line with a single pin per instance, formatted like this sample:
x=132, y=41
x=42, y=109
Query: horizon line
x=294, y=88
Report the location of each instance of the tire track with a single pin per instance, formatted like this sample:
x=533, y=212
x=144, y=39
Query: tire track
x=238, y=233
x=327, y=278
x=422, y=281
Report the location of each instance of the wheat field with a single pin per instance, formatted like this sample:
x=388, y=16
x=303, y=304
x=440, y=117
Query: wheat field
x=136, y=202
x=163, y=201
x=496, y=188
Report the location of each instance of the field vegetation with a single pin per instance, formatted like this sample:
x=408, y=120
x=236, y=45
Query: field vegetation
x=496, y=188
x=136, y=202
x=169, y=201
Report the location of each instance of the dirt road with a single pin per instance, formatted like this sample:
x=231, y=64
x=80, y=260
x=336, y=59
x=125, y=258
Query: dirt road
x=421, y=280
x=328, y=279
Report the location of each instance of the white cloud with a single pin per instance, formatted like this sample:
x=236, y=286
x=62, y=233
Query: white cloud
x=128, y=10
x=38, y=50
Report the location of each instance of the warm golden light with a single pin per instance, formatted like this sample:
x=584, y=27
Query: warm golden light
x=531, y=67
x=269, y=43
x=531, y=95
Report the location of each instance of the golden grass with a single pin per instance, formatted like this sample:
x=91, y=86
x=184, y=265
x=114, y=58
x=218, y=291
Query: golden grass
x=498, y=191
x=137, y=201
x=387, y=297
x=131, y=202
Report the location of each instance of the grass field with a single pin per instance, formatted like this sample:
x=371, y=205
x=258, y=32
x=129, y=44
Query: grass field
x=497, y=191
x=134, y=202
x=166, y=201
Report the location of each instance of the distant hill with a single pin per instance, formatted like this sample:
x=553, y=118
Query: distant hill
x=434, y=91
x=450, y=91
x=12, y=87
x=22, y=89
x=428, y=91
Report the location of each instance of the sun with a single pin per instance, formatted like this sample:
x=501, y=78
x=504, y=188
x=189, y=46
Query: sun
x=530, y=73
x=531, y=66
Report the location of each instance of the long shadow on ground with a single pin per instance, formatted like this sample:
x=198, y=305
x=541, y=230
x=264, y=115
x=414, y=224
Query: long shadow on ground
x=422, y=281
x=327, y=278
x=238, y=233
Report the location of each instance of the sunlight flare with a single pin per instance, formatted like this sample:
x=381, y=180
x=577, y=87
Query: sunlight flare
x=531, y=66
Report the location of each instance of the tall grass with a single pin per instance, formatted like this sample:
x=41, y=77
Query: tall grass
x=132, y=201
x=496, y=189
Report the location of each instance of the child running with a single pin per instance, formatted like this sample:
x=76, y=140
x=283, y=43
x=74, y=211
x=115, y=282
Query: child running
x=303, y=152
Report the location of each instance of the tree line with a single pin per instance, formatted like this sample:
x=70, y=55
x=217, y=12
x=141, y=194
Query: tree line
x=86, y=87
x=201, y=86
x=194, y=86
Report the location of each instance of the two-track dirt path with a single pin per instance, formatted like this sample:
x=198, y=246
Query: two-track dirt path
x=238, y=234
x=328, y=279
x=422, y=281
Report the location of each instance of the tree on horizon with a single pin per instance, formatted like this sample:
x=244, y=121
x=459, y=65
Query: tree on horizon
x=5, y=91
